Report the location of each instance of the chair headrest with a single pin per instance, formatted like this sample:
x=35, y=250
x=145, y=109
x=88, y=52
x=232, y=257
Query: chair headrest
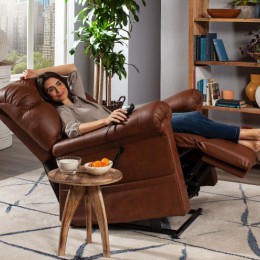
x=21, y=101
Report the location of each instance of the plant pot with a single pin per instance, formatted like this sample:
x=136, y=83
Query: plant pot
x=252, y=86
x=115, y=104
x=247, y=11
x=255, y=56
x=257, y=10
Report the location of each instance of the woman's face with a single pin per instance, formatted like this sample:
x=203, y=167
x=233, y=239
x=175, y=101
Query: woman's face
x=56, y=90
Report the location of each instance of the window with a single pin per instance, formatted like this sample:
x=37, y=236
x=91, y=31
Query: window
x=30, y=28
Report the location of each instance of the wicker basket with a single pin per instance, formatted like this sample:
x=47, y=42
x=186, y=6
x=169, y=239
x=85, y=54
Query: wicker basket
x=115, y=104
x=255, y=56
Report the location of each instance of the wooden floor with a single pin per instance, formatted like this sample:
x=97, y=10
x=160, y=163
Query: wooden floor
x=17, y=159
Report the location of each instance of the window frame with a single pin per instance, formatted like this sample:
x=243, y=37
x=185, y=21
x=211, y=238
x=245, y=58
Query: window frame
x=64, y=25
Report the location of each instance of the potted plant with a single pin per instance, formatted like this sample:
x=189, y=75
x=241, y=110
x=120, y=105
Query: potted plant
x=252, y=47
x=249, y=8
x=105, y=23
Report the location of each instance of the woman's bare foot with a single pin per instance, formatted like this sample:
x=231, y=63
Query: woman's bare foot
x=253, y=145
x=249, y=134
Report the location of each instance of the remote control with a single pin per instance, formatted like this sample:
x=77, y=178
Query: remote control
x=130, y=109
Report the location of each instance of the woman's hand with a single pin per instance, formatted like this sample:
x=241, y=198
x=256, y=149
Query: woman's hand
x=117, y=116
x=29, y=73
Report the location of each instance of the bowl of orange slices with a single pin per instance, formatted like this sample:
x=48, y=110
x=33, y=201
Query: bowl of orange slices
x=98, y=167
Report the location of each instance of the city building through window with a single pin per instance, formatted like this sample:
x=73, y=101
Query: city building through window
x=35, y=48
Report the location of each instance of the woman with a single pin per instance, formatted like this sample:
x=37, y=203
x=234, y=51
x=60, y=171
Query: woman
x=80, y=116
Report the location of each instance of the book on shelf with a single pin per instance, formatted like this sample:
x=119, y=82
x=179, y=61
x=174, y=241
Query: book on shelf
x=235, y=103
x=204, y=49
x=202, y=87
x=231, y=101
x=230, y=105
x=198, y=39
x=208, y=97
x=201, y=76
x=220, y=49
x=214, y=92
x=210, y=50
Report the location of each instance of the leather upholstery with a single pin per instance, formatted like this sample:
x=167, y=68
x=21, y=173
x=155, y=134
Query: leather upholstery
x=153, y=183
x=238, y=156
x=228, y=156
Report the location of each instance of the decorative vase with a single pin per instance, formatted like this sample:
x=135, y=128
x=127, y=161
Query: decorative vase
x=257, y=96
x=252, y=86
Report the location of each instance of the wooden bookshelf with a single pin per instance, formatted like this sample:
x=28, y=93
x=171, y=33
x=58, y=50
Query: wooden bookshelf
x=228, y=63
x=226, y=20
x=198, y=25
x=248, y=109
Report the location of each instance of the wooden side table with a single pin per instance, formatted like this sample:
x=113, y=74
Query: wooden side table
x=84, y=185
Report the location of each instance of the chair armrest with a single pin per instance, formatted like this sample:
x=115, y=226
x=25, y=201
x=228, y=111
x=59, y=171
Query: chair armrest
x=145, y=122
x=185, y=101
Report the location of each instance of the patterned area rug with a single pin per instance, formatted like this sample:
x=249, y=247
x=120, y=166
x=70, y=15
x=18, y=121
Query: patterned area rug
x=228, y=229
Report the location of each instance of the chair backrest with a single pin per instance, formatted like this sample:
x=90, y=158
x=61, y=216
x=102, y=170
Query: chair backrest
x=35, y=122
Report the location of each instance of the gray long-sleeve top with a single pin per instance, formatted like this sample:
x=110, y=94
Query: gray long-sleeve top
x=82, y=110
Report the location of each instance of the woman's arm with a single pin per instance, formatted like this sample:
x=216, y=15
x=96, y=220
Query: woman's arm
x=73, y=128
x=63, y=70
x=117, y=116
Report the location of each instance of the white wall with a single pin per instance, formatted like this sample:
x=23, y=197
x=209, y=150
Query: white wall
x=83, y=63
x=144, y=52
x=174, y=46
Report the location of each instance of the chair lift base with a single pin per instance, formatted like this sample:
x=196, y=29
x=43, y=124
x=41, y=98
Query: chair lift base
x=155, y=225
x=194, y=175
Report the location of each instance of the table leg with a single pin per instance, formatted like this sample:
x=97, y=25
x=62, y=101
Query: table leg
x=88, y=218
x=96, y=199
x=74, y=196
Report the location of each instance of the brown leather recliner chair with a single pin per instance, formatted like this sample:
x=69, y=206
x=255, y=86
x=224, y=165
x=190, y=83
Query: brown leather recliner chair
x=161, y=170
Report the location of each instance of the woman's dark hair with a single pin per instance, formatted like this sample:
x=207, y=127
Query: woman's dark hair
x=40, y=86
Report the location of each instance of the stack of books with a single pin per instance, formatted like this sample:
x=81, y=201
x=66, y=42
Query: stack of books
x=207, y=47
x=203, y=47
x=234, y=103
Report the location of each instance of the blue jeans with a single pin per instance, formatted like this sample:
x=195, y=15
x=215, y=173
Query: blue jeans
x=196, y=123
